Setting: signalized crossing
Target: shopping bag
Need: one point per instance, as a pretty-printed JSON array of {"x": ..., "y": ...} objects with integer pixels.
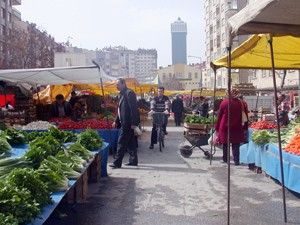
[{"x": 213, "y": 140}]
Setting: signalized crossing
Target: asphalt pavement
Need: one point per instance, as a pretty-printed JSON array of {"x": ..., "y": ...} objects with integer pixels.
[{"x": 166, "y": 188}]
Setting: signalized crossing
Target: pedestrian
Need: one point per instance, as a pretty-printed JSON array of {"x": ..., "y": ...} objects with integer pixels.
[
  {"x": 236, "y": 126},
  {"x": 60, "y": 108},
  {"x": 127, "y": 120},
  {"x": 160, "y": 103},
  {"x": 177, "y": 109},
  {"x": 203, "y": 107}
]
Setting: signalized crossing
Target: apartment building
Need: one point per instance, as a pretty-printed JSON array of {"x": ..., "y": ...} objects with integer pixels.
[
  {"x": 217, "y": 12},
  {"x": 8, "y": 15},
  {"x": 180, "y": 76},
  {"x": 74, "y": 56},
  {"x": 122, "y": 62}
]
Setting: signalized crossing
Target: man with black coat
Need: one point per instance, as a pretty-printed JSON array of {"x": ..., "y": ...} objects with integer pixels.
[
  {"x": 127, "y": 120},
  {"x": 60, "y": 108},
  {"x": 177, "y": 109}
]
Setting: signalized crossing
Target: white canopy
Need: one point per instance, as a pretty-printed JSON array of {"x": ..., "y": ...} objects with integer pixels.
[
  {"x": 267, "y": 16},
  {"x": 58, "y": 75}
]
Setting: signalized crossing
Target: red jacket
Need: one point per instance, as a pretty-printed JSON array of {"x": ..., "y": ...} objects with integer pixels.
[{"x": 236, "y": 128}]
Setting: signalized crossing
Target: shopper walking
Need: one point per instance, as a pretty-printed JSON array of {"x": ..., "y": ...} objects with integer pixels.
[
  {"x": 177, "y": 109},
  {"x": 127, "y": 120},
  {"x": 236, "y": 126}
]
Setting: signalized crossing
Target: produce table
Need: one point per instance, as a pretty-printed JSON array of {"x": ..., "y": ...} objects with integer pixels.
[
  {"x": 251, "y": 152},
  {"x": 57, "y": 196},
  {"x": 267, "y": 157}
]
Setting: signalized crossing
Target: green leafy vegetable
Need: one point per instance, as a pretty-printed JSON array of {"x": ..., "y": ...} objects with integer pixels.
[
  {"x": 30, "y": 180},
  {"x": 90, "y": 139},
  {"x": 4, "y": 146},
  {"x": 8, "y": 219},
  {"x": 15, "y": 137},
  {"x": 17, "y": 202},
  {"x": 261, "y": 137},
  {"x": 198, "y": 119}
]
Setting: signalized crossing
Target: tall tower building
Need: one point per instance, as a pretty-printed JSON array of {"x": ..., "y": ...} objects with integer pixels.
[
  {"x": 179, "y": 32},
  {"x": 217, "y": 12}
]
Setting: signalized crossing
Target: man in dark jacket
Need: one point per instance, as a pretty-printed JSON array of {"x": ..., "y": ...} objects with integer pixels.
[
  {"x": 127, "y": 120},
  {"x": 60, "y": 108},
  {"x": 177, "y": 109}
]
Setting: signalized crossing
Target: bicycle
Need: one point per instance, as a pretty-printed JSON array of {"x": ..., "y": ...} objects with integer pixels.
[{"x": 159, "y": 119}]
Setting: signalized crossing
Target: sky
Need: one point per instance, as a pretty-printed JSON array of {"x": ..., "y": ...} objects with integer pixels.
[{"x": 134, "y": 24}]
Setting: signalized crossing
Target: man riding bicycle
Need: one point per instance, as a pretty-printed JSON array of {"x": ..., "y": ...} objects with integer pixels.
[{"x": 160, "y": 104}]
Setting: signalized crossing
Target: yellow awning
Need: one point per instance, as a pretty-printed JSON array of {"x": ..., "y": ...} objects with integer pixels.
[{"x": 255, "y": 53}]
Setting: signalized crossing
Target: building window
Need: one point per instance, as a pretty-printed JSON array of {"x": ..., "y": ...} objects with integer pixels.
[
  {"x": 196, "y": 75},
  {"x": 210, "y": 29},
  {"x": 218, "y": 24},
  {"x": 263, "y": 73},
  {"x": 170, "y": 75},
  {"x": 2, "y": 31},
  {"x": 3, "y": 13},
  {"x": 164, "y": 76},
  {"x": 218, "y": 10},
  {"x": 190, "y": 75},
  {"x": 222, "y": 7},
  {"x": 9, "y": 17},
  {"x": 218, "y": 41},
  {"x": 223, "y": 21},
  {"x": 211, "y": 45},
  {"x": 232, "y": 4}
]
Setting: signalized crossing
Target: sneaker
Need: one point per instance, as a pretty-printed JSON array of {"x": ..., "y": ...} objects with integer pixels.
[{"x": 151, "y": 147}]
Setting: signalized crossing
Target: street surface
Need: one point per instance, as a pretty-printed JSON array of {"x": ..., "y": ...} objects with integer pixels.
[{"x": 168, "y": 189}]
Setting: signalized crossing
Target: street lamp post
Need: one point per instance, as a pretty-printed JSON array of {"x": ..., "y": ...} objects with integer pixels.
[{"x": 198, "y": 57}]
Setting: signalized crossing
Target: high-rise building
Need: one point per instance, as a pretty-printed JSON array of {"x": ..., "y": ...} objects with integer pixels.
[
  {"x": 122, "y": 62},
  {"x": 217, "y": 12},
  {"x": 179, "y": 32},
  {"x": 8, "y": 15}
]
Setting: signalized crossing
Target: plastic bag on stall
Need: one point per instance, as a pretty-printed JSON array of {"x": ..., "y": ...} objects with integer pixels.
[{"x": 213, "y": 140}]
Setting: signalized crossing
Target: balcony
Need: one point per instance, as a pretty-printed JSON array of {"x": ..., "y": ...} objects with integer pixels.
[
  {"x": 16, "y": 14},
  {"x": 16, "y": 2}
]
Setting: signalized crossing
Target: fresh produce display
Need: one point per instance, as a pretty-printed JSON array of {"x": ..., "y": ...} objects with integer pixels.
[
  {"x": 89, "y": 123},
  {"x": 38, "y": 125},
  {"x": 261, "y": 137},
  {"x": 18, "y": 202},
  {"x": 198, "y": 119},
  {"x": 79, "y": 150},
  {"x": 40, "y": 149},
  {"x": 27, "y": 182},
  {"x": 30, "y": 180},
  {"x": 90, "y": 139},
  {"x": 261, "y": 125},
  {"x": 293, "y": 146},
  {"x": 8, "y": 219},
  {"x": 14, "y": 137},
  {"x": 4, "y": 146}
]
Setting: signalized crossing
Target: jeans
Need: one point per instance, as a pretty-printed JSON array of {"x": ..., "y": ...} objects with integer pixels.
[{"x": 154, "y": 133}]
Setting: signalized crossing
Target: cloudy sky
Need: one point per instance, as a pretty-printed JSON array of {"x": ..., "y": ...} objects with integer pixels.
[{"x": 135, "y": 24}]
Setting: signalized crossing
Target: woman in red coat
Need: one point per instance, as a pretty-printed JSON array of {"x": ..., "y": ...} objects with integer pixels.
[{"x": 236, "y": 127}]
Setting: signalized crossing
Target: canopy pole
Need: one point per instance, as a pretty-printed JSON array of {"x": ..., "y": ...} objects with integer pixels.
[
  {"x": 104, "y": 102},
  {"x": 278, "y": 128},
  {"x": 228, "y": 134},
  {"x": 212, "y": 146}
]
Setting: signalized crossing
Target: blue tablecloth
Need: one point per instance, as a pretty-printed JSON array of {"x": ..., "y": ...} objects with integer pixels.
[
  {"x": 58, "y": 196},
  {"x": 267, "y": 157}
]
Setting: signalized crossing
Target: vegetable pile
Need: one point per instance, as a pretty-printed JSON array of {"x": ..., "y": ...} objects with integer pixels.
[
  {"x": 293, "y": 146},
  {"x": 68, "y": 124},
  {"x": 198, "y": 119},
  {"x": 14, "y": 137},
  {"x": 90, "y": 139},
  {"x": 261, "y": 137},
  {"x": 38, "y": 125},
  {"x": 26, "y": 183},
  {"x": 261, "y": 125}
]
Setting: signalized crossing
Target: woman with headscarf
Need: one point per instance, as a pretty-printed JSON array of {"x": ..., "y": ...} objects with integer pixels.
[{"x": 236, "y": 126}]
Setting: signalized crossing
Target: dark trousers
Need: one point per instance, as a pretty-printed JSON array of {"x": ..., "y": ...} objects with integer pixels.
[
  {"x": 154, "y": 133},
  {"x": 177, "y": 118},
  {"x": 235, "y": 152},
  {"x": 126, "y": 141}
]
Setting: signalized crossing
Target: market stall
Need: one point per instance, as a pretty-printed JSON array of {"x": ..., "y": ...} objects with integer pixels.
[
  {"x": 43, "y": 168},
  {"x": 262, "y": 17}
]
